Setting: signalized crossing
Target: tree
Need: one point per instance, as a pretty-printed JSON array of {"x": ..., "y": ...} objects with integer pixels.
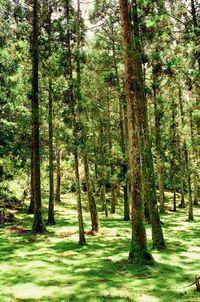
[
  {"x": 138, "y": 251},
  {"x": 38, "y": 224}
]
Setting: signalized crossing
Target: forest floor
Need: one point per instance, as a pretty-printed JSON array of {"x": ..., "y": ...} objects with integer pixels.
[{"x": 52, "y": 267}]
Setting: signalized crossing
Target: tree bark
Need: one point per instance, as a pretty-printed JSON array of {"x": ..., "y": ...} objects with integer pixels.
[
  {"x": 145, "y": 142},
  {"x": 160, "y": 168},
  {"x": 187, "y": 165},
  {"x": 31, "y": 205},
  {"x": 174, "y": 154},
  {"x": 51, "y": 219},
  {"x": 138, "y": 252},
  {"x": 82, "y": 240},
  {"x": 91, "y": 200},
  {"x": 38, "y": 225},
  {"x": 58, "y": 174},
  {"x": 195, "y": 155},
  {"x": 123, "y": 128}
]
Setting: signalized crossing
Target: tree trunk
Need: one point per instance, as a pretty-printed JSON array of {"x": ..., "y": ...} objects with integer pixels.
[
  {"x": 187, "y": 166},
  {"x": 123, "y": 128},
  {"x": 174, "y": 154},
  {"x": 58, "y": 174},
  {"x": 158, "y": 115},
  {"x": 190, "y": 211},
  {"x": 103, "y": 188},
  {"x": 138, "y": 252},
  {"x": 181, "y": 175},
  {"x": 38, "y": 225},
  {"x": 91, "y": 200},
  {"x": 31, "y": 205},
  {"x": 145, "y": 142},
  {"x": 195, "y": 155},
  {"x": 82, "y": 240},
  {"x": 51, "y": 219}
]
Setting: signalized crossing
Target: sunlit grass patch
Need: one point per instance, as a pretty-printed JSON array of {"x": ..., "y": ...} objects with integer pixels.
[{"x": 52, "y": 267}]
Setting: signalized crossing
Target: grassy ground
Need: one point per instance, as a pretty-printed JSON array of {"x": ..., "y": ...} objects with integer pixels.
[{"x": 53, "y": 268}]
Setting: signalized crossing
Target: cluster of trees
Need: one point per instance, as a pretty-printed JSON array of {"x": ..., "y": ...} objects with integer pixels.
[{"x": 123, "y": 106}]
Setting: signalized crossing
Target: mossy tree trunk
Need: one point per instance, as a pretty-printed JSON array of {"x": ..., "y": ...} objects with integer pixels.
[
  {"x": 138, "y": 252},
  {"x": 145, "y": 141}
]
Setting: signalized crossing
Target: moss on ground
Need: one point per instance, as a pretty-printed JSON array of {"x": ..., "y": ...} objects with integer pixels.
[{"x": 53, "y": 268}]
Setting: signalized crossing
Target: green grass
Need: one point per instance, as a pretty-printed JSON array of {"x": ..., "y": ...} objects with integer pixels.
[{"x": 53, "y": 268}]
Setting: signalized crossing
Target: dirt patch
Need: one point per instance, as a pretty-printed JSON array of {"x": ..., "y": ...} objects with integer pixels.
[{"x": 18, "y": 229}]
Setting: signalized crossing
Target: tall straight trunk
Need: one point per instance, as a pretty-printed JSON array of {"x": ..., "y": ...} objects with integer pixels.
[
  {"x": 124, "y": 168},
  {"x": 145, "y": 142},
  {"x": 38, "y": 225},
  {"x": 190, "y": 211},
  {"x": 51, "y": 219},
  {"x": 102, "y": 175},
  {"x": 82, "y": 240},
  {"x": 181, "y": 174},
  {"x": 138, "y": 251},
  {"x": 195, "y": 190},
  {"x": 160, "y": 167},
  {"x": 195, "y": 155},
  {"x": 187, "y": 164},
  {"x": 91, "y": 200},
  {"x": 103, "y": 199},
  {"x": 31, "y": 205},
  {"x": 123, "y": 128},
  {"x": 112, "y": 170},
  {"x": 174, "y": 154},
  {"x": 58, "y": 174}
]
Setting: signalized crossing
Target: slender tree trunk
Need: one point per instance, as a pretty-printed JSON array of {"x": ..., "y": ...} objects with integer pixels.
[
  {"x": 181, "y": 175},
  {"x": 187, "y": 165},
  {"x": 82, "y": 240},
  {"x": 58, "y": 174},
  {"x": 38, "y": 225},
  {"x": 138, "y": 252},
  {"x": 190, "y": 211},
  {"x": 91, "y": 200},
  {"x": 112, "y": 171},
  {"x": 103, "y": 188},
  {"x": 123, "y": 143},
  {"x": 195, "y": 191},
  {"x": 195, "y": 155},
  {"x": 31, "y": 205},
  {"x": 160, "y": 169},
  {"x": 145, "y": 142},
  {"x": 51, "y": 219},
  {"x": 174, "y": 154}
]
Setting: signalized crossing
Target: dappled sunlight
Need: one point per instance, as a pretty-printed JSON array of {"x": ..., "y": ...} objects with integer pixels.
[{"x": 52, "y": 267}]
